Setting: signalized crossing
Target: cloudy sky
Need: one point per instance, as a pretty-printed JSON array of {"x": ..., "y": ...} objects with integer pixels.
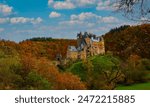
[{"x": 24, "y": 19}]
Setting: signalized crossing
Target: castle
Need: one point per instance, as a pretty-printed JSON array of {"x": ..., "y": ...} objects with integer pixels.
[{"x": 87, "y": 45}]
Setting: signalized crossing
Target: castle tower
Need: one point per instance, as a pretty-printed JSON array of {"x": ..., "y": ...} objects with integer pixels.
[
  {"x": 87, "y": 45},
  {"x": 102, "y": 45},
  {"x": 79, "y": 39}
]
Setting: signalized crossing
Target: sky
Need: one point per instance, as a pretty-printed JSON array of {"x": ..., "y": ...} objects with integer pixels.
[{"x": 25, "y": 19}]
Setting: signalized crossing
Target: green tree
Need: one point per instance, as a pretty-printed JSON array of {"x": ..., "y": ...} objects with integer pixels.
[
  {"x": 136, "y": 69},
  {"x": 107, "y": 72},
  {"x": 9, "y": 65},
  {"x": 35, "y": 81},
  {"x": 89, "y": 70}
]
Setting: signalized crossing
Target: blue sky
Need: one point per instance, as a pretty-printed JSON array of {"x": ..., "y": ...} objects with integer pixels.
[{"x": 24, "y": 19}]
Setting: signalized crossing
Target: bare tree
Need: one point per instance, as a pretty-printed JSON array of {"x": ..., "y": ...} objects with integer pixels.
[{"x": 138, "y": 10}]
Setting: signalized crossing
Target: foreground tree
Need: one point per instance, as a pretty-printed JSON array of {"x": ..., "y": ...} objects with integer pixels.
[
  {"x": 89, "y": 68},
  {"x": 138, "y": 10},
  {"x": 102, "y": 72},
  {"x": 136, "y": 70}
]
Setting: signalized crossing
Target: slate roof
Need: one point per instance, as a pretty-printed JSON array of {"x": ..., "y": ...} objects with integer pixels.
[
  {"x": 72, "y": 48},
  {"x": 95, "y": 39}
]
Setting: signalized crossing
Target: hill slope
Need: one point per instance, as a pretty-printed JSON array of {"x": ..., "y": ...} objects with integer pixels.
[
  {"x": 129, "y": 40},
  {"x": 46, "y": 48}
]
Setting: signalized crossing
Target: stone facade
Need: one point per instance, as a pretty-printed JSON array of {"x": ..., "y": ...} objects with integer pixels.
[{"x": 87, "y": 45}]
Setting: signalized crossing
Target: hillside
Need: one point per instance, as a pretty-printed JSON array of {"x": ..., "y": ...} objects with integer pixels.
[
  {"x": 125, "y": 40},
  {"x": 29, "y": 64},
  {"x": 110, "y": 72},
  {"x": 98, "y": 63},
  {"x": 46, "y": 47},
  {"x": 40, "y": 47},
  {"x": 24, "y": 66}
]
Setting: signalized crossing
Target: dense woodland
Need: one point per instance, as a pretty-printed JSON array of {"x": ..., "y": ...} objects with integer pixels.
[
  {"x": 125, "y": 40},
  {"x": 29, "y": 64}
]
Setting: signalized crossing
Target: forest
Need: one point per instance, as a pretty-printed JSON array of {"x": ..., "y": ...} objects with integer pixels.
[{"x": 29, "y": 64}]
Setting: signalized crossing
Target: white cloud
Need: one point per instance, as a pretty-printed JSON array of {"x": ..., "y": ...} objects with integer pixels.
[
  {"x": 106, "y": 5},
  {"x": 37, "y": 20},
  {"x": 109, "y": 19},
  {"x": 1, "y": 29},
  {"x": 4, "y": 20},
  {"x": 19, "y": 20},
  {"x": 71, "y": 22},
  {"x": 54, "y": 15},
  {"x": 70, "y": 4},
  {"x": 85, "y": 2},
  {"x": 16, "y": 20},
  {"x": 5, "y": 9},
  {"x": 64, "y": 5},
  {"x": 76, "y": 24},
  {"x": 84, "y": 16},
  {"x": 50, "y": 2},
  {"x": 89, "y": 19}
]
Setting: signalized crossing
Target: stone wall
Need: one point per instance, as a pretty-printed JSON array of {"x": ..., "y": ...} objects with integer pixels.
[{"x": 72, "y": 55}]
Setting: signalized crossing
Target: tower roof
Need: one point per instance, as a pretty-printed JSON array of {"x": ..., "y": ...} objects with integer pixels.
[{"x": 72, "y": 48}]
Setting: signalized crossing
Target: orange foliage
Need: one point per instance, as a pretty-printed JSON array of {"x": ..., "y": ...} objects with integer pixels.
[
  {"x": 28, "y": 62},
  {"x": 134, "y": 60},
  {"x": 132, "y": 40},
  {"x": 47, "y": 70},
  {"x": 69, "y": 81},
  {"x": 47, "y": 49},
  {"x": 59, "y": 80}
]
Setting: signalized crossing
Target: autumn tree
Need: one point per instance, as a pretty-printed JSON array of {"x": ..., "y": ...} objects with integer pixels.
[
  {"x": 45, "y": 48},
  {"x": 28, "y": 61},
  {"x": 58, "y": 80},
  {"x": 135, "y": 69},
  {"x": 134, "y": 39},
  {"x": 69, "y": 81},
  {"x": 9, "y": 65}
]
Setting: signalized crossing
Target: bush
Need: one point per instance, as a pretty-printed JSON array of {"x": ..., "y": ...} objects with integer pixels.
[
  {"x": 136, "y": 70},
  {"x": 35, "y": 81},
  {"x": 9, "y": 65}
]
